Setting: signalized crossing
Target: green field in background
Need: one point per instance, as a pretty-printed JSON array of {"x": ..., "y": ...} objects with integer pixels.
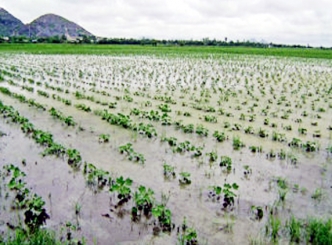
[{"x": 161, "y": 50}]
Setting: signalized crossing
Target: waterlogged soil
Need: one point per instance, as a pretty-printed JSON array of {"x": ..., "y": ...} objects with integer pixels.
[{"x": 262, "y": 87}]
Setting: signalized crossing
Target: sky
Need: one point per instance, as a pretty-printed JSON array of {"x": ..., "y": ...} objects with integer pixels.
[{"x": 304, "y": 22}]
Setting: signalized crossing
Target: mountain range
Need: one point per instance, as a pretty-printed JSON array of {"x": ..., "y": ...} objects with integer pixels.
[{"x": 47, "y": 25}]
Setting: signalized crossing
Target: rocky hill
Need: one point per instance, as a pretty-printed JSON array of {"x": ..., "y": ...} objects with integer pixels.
[
  {"x": 9, "y": 25},
  {"x": 53, "y": 25},
  {"x": 48, "y": 25}
]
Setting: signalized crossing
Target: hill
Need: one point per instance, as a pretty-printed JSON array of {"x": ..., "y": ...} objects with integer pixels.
[
  {"x": 53, "y": 25},
  {"x": 47, "y": 25},
  {"x": 9, "y": 25}
]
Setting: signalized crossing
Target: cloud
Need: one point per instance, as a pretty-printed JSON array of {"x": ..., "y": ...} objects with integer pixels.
[{"x": 283, "y": 21}]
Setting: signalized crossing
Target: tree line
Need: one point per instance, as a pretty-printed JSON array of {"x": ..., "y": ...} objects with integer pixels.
[{"x": 148, "y": 41}]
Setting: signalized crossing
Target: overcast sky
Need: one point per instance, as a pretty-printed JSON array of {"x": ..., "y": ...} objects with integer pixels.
[{"x": 278, "y": 21}]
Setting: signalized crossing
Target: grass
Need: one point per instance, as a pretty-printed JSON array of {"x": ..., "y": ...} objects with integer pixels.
[
  {"x": 313, "y": 231},
  {"x": 294, "y": 229},
  {"x": 257, "y": 240},
  {"x": 319, "y": 232},
  {"x": 282, "y": 194},
  {"x": 41, "y": 237},
  {"x": 318, "y": 194},
  {"x": 282, "y": 183},
  {"x": 199, "y": 51},
  {"x": 274, "y": 226}
]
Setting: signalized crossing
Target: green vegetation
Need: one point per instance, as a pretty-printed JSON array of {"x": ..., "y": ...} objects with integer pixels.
[
  {"x": 309, "y": 231},
  {"x": 185, "y": 178},
  {"x": 103, "y": 138},
  {"x": 132, "y": 155},
  {"x": 188, "y": 235},
  {"x": 30, "y": 205},
  {"x": 95, "y": 176},
  {"x": 180, "y": 109},
  {"x": 144, "y": 200},
  {"x": 161, "y": 50},
  {"x": 41, "y": 237},
  {"x": 226, "y": 162},
  {"x": 319, "y": 232},
  {"x": 273, "y": 228},
  {"x": 294, "y": 228},
  {"x": 228, "y": 192},
  {"x": 164, "y": 217},
  {"x": 237, "y": 143},
  {"x": 122, "y": 187},
  {"x": 168, "y": 171}
]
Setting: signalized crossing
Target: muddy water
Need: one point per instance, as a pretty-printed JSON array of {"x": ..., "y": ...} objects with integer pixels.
[{"x": 63, "y": 189}]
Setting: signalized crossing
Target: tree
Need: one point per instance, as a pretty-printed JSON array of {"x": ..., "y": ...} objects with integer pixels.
[{"x": 63, "y": 38}]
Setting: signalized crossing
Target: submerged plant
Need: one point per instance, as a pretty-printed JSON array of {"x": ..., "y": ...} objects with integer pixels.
[
  {"x": 319, "y": 232},
  {"x": 318, "y": 194},
  {"x": 183, "y": 147},
  {"x": 212, "y": 156},
  {"x": 198, "y": 151},
  {"x": 255, "y": 149},
  {"x": 219, "y": 136},
  {"x": 273, "y": 228},
  {"x": 229, "y": 195},
  {"x": 215, "y": 193},
  {"x": 295, "y": 143},
  {"x": 69, "y": 121},
  {"x": 294, "y": 228},
  {"x": 96, "y": 176},
  {"x": 127, "y": 148},
  {"x": 247, "y": 171},
  {"x": 168, "y": 171},
  {"x": 282, "y": 188},
  {"x": 278, "y": 137},
  {"x": 258, "y": 212},
  {"x": 237, "y": 143},
  {"x": 144, "y": 200},
  {"x": 29, "y": 203},
  {"x": 165, "y": 108},
  {"x": 201, "y": 130},
  {"x": 226, "y": 162},
  {"x": 136, "y": 157},
  {"x": 249, "y": 130},
  {"x": 310, "y": 146},
  {"x": 263, "y": 133},
  {"x": 74, "y": 157},
  {"x": 188, "y": 235},
  {"x": 42, "y": 138},
  {"x": 185, "y": 178},
  {"x": 188, "y": 129},
  {"x": 164, "y": 217},
  {"x": 210, "y": 118},
  {"x": 54, "y": 149},
  {"x": 103, "y": 138},
  {"x": 122, "y": 187},
  {"x": 172, "y": 141}
]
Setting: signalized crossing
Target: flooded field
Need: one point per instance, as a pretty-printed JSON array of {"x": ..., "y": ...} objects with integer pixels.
[{"x": 169, "y": 150}]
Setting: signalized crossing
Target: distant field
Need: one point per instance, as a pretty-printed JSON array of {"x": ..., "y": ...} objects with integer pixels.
[{"x": 160, "y": 50}]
